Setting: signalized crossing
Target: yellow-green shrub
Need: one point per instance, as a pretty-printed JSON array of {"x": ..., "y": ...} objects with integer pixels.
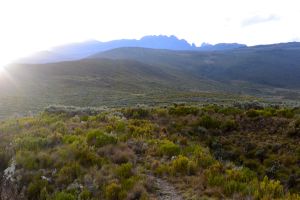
[
  {"x": 269, "y": 189},
  {"x": 100, "y": 139},
  {"x": 168, "y": 148},
  {"x": 182, "y": 165},
  {"x": 124, "y": 170},
  {"x": 112, "y": 191}
]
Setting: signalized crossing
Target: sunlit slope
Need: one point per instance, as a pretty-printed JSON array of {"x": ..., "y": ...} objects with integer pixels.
[{"x": 95, "y": 82}]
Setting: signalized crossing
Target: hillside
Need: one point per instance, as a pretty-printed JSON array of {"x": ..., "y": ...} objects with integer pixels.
[
  {"x": 271, "y": 65},
  {"x": 173, "y": 152},
  {"x": 129, "y": 76},
  {"x": 96, "y": 82}
]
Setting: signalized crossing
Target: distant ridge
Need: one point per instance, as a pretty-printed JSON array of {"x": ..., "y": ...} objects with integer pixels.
[{"x": 77, "y": 51}]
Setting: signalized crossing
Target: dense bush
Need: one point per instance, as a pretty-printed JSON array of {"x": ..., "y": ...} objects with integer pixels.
[
  {"x": 68, "y": 173},
  {"x": 182, "y": 165},
  {"x": 209, "y": 122},
  {"x": 99, "y": 139},
  {"x": 108, "y": 156},
  {"x": 113, "y": 191},
  {"x": 229, "y": 125},
  {"x": 137, "y": 113},
  {"x": 269, "y": 189},
  {"x": 124, "y": 170},
  {"x": 183, "y": 110},
  {"x": 168, "y": 148},
  {"x": 64, "y": 196}
]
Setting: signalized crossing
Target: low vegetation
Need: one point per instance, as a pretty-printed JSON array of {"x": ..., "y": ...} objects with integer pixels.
[{"x": 217, "y": 152}]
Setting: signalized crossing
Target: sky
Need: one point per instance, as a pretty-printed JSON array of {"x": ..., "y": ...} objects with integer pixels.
[{"x": 33, "y": 25}]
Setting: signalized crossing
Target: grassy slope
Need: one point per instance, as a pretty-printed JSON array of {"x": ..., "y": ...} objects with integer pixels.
[
  {"x": 151, "y": 76},
  {"x": 275, "y": 67},
  {"x": 94, "y": 82}
]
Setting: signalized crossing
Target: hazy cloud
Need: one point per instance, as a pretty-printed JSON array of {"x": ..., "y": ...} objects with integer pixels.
[{"x": 257, "y": 19}]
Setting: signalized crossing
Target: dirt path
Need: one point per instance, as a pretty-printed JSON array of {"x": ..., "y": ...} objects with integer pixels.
[{"x": 165, "y": 191}]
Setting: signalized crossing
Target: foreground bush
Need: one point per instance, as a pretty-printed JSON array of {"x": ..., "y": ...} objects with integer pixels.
[
  {"x": 100, "y": 139},
  {"x": 168, "y": 148}
]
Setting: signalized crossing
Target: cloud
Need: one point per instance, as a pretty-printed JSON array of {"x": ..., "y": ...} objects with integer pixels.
[{"x": 258, "y": 19}]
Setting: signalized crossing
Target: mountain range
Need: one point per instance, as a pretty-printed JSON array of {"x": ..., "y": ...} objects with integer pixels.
[{"x": 81, "y": 50}]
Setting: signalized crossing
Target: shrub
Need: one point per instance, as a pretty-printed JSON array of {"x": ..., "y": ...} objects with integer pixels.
[
  {"x": 68, "y": 173},
  {"x": 252, "y": 113},
  {"x": 124, "y": 170},
  {"x": 162, "y": 170},
  {"x": 100, "y": 139},
  {"x": 69, "y": 139},
  {"x": 209, "y": 122},
  {"x": 139, "y": 128},
  {"x": 182, "y": 165},
  {"x": 269, "y": 189},
  {"x": 138, "y": 192},
  {"x": 112, "y": 191},
  {"x": 215, "y": 179},
  {"x": 27, "y": 159},
  {"x": 85, "y": 195},
  {"x": 4, "y": 160},
  {"x": 168, "y": 148},
  {"x": 232, "y": 187},
  {"x": 294, "y": 129},
  {"x": 229, "y": 125},
  {"x": 31, "y": 143},
  {"x": 183, "y": 110},
  {"x": 86, "y": 157},
  {"x": 136, "y": 113},
  {"x": 241, "y": 175},
  {"x": 202, "y": 158},
  {"x": 230, "y": 111},
  {"x": 35, "y": 188},
  {"x": 287, "y": 113},
  {"x": 64, "y": 196}
]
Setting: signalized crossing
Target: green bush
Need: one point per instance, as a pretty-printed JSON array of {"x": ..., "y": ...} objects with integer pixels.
[
  {"x": 269, "y": 189},
  {"x": 252, "y": 113},
  {"x": 124, "y": 170},
  {"x": 85, "y": 194},
  {"x": 183, "y": 110},
  {"x": 216, "y": 180},
  {"x": 230, "y": 111},
  {"x": 241, "y": 175},
  {"x": 27, "y": 160},
  {"x": 100, "y": 139},
  {"x": 168, "y": 148},
  {"x": 69, "y": 139},
  {"x": 4, "y": 160},
  {"x": 34, "y": 190},
  {"x": 203, "y": 158},
  {"x": 287, "y": 113},
  {"x": 209, "y": 122},
  {"x": 64, "y": 196},
  {"x": 229, "y": 125},
  {"x": 182, "y": 165},
  {"x": 232, "y": 187},
  {"x": 162, "y": 170},
  {"x": 113, "y": 191},
  {"x": 31, "y": 143},
  {"x": 68, "y": 173},
  {"x": 138, "y": 128},
  {"x": 137, "y": 113},
  {"x": 87, "y": 157}
]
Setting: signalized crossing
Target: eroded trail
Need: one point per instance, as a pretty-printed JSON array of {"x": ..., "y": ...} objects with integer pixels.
[{"x": 165, "y": 190}]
